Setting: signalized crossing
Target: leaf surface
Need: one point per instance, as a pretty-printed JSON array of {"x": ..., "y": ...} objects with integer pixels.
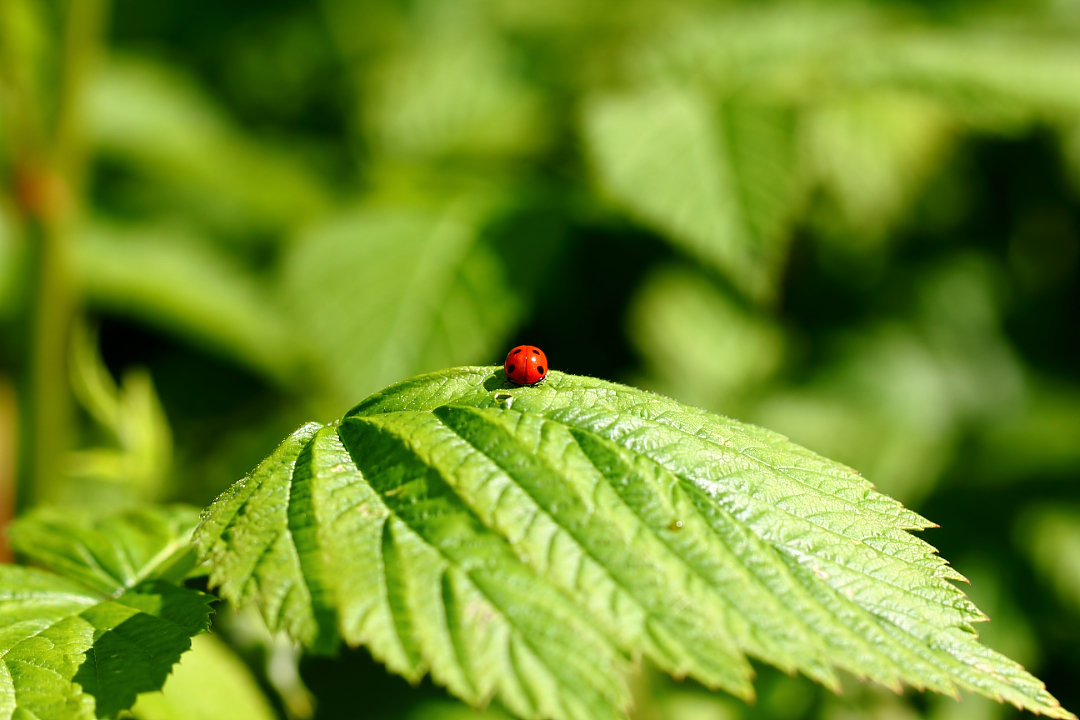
[
  {"x": 83, "y": 643},
  {"x": 382, "y": 288},
  {"x": 209, "y": 683},
  {"x": 716, "y": 176},
  {"x": 165, "y": 128},
  {"x": 175, "y": 281},
  {"x": 524, "y": 543}
]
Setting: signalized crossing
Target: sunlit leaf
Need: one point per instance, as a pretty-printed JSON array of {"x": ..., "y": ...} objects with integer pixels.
[
  {"x": 209, "y": 683},
  {"x": 86, "y": 641},
  {"x": 109, "y": 553},
  {"x": 524, "y": 543}
]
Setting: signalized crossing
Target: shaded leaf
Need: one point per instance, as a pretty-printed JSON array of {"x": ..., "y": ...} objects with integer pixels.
[
  {"x": 137, "y": 639},
  {"x": 523, "y": 543}
]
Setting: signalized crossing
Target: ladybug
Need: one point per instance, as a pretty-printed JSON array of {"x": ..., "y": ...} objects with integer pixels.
[{"x": 526, "y": 365}]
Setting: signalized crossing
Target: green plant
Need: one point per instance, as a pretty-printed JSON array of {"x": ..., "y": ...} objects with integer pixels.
[
  {"x": 854, "y": 222},
  {"x": 523, "y": 545}
]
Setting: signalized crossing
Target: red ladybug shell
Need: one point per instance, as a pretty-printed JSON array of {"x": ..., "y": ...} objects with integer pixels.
[{"x": 526, "y": 365}]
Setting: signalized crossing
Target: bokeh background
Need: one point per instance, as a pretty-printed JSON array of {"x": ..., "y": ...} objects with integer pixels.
[{"x": 854, "y": 222}]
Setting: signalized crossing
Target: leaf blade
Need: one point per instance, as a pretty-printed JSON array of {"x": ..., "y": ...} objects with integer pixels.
[
  {"x": 83, "y": 644},
  {"x": 717, "y": 175},
  {"x": 112, "y": 553},
  {"x": 631, "y": 525}
]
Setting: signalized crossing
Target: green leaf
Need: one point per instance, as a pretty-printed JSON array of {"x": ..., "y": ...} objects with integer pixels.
[
  {"x": 383, "y": 292},
  {"x": 440, "y": 96},
  {"x": 872, "y": 152},
  {"x": 717, "y": 176},
  {"x": 110, "y": 553},
  {"x": 167, "y": 277},
  {"x": 163, "y": 126},
  {"x": 524, "y": 543},
  {"x": 136, "y": 461},
  {"x": 209, "y": 683},
  {"x": 85, "y": 642}
]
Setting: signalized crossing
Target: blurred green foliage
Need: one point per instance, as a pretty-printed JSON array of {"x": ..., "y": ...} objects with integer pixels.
[{"x": 854, "y": 222}]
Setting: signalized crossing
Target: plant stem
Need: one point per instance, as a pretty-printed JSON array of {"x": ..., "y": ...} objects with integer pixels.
[
  {"x": 50, "y": 189},
  {"x": 7, "y": 462}
]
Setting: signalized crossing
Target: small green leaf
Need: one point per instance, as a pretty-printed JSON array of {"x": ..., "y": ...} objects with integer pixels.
[
  {"x": 526, "y": 543},
  {"x": 111, "y": 553},
  {"x": 384, "y": 289},
  {"x": 85, "y": 642},
  {"x": 164, "y": 127},
  {"x": 718, "y": 176},
  {"x": 137, "y": 457},
  {"x": 176, "y": 281}
]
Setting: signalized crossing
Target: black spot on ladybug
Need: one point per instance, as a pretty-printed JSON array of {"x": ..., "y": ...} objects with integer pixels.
[
  {"x": 510, "y": 368},
  {"x": 540, "y": 369},
  {"x": 516, "y": 351}
]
